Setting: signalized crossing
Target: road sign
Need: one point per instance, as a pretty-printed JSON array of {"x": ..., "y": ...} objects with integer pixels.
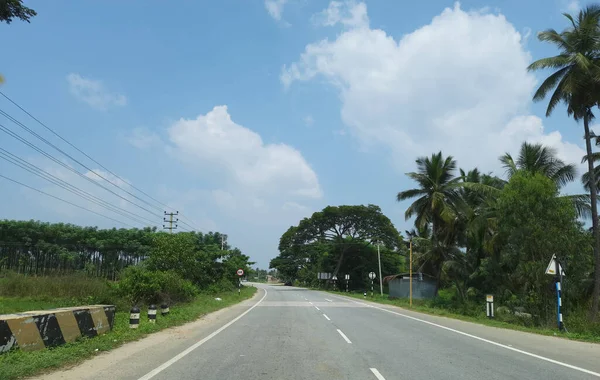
[
  {"x": 334, "y": 278},
  {"x": 551, "y": 269},
  {"x": 240, "y": 272},
  {"x": 489, "y": 298},
  {"x": 346, "y": 277},
  {"x": 372, "y": 275}
]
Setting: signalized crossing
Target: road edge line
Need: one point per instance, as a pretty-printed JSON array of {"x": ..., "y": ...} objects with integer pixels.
[
  {"x": 479, "y": 338},
  {"x": 185, "y": 352}
]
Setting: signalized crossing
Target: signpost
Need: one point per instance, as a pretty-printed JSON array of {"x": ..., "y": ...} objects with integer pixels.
[
  {"x": 372, "y": 276},
  {"x": 347, "y": 278},
  {"x": 554, "y": 268},
  {"x": 489, "y": 306},
  {"x": 334, "y": 278},
  {"x": 240, "y": 273}
]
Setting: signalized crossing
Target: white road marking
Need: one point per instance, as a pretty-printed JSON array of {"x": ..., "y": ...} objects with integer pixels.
[
  {"x": 483, "y": 340},
  {"x": 343, "y": 335},
  {"x": 328, "y": 300},
  {"x": 317, "y": 308},
  {"x": 310, "y": 302},
  {"x": 326, "y": 317},
  {"x": 377, "y": 374},
  {"x": 179, "y": 356}
]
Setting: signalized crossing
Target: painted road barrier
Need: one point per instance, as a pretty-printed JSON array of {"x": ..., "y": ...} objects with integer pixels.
[{"x": 36, "y": 330}]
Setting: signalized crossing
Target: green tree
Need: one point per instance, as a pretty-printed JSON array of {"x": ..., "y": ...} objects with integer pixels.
[
  {"x": 10, "y": 9},
  {"x": 576, "y": 84}
]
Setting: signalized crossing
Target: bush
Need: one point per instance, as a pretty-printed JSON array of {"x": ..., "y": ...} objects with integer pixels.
[
  {"x": 141, "y": 285},
  {"x": 220, "y": 286}
]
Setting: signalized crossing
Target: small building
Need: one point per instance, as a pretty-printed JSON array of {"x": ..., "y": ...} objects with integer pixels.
[{"x": 399, "y": 285}]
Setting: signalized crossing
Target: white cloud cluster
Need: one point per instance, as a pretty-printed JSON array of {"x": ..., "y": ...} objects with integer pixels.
[
  {"x": 275, "y": 8},
  {"x": 142, "y": 138},
  {"x": 458, "y": 84},
  {"x": 215, "y": 141},
  {"x": 94, "y": 93}
]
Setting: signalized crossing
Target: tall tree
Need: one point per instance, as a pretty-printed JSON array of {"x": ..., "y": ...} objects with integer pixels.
[
  {"x": 10, "y": 9},
  {"x": 537, "y": 158},
  {"x": 576, "y": 83}
]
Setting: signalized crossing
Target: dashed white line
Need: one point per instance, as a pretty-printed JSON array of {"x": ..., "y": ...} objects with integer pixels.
[
  {"x": 185, "y": 352},
  {"x": 317, "y": 308},
  {"x": 344, "y": 336},
  {"x": 377, "y": 374},
  {"x": 482, "y": 339},
  {"x": 310, "y": 302},
  {"x": 328, "y": 300},
  {"x": 326, "y": 317}
]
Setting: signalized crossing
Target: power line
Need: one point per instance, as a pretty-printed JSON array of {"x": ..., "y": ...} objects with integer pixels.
[
  {"x": 77, "y": 149},
  {"x": 65, "y": 201},
  {"x": 23, "y": 126},
  {"x": 91, "y": 159},
  {"x": 16, "y": 160},
  {"x": 54, "y": 159}
]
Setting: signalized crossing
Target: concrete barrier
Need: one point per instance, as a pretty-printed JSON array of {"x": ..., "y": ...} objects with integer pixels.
[{"x": 36, "y": 330}]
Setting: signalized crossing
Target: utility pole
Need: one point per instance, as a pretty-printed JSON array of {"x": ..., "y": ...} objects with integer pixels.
[
  {"x": 380, "y": 278},
  {"x": 410, "y": 273},
  {"x": 170, "y": 221}
]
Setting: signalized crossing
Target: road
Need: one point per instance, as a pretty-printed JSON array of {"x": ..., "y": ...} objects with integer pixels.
[{"x": 288, "y": 333}]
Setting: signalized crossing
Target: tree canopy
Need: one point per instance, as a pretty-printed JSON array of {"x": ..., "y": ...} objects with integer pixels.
[{"x": 11, "y": 9}]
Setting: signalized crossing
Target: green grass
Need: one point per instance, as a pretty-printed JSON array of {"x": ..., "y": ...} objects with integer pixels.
[
  {"x": 588, "y": 333},
  {"x": 17, "y": 364}
]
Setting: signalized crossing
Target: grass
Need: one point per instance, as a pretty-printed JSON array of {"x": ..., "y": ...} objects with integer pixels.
[
  {"x": 17, "y": 364},
  {"x": 586, "y": 335}
]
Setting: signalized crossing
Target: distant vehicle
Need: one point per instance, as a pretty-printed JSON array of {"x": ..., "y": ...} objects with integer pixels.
[{"x": 288, "y": 283}]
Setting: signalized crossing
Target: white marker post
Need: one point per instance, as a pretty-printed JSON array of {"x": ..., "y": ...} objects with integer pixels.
[
  {"x": 240, "y": 273},
  {"x": 489, "y": 306},
  {"x": 334, "y": 278},
  {"x": 372, "y": 276},
  {"x": 347, "y": 277},
  {"x": 554, "y": 268}
]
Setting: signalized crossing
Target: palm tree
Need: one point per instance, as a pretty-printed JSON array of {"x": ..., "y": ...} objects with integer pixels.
[
  {"x": 576, "y": 83},
  {"x": 537, "y": 158}
]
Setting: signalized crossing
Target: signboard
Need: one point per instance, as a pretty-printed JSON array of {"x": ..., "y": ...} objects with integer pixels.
[
  {"x": 489, "y": 298},
  {"x": 323, "y": 276},
  {"x": 240, "y": 272},
  {"x": 346, "y": 277},
  {"x": 372, "y": 275},
  {"x": 334, "y": 278},
  {"x": 551, "y": 269}
]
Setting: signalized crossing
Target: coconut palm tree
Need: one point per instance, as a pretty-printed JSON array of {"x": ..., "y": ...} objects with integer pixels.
[
  {"x": 576, "y": 83},
  {"x": 537, "y": 158}
]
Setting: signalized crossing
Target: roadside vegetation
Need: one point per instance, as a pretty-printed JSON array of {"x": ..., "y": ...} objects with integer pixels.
[{"x": 477, "y": 233}]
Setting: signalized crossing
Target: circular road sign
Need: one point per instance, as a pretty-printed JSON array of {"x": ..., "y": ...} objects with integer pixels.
[
  {"x": 372, "y": 275},
  {"x": 240, "y": 272}
]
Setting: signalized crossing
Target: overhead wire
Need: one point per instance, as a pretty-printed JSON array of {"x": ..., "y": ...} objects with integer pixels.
[
  {"x": 54, "y": 159},
  {"x": 18, "y": 161},
  {"x": 192, "y": 225},
  {"x": 64, "y": 200}
]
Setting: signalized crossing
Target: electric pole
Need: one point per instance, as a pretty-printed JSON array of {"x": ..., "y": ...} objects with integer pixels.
[{"x": 170, "y": 220}]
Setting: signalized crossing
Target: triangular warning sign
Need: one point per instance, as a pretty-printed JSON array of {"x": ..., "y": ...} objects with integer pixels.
[{"x": 551, "y": 269}]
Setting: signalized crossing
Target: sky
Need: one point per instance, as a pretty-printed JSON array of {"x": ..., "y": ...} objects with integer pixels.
[{"x": 248, "y": 115}]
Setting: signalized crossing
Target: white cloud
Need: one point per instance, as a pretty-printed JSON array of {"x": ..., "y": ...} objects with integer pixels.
[
  {"x": 275, "y": 8},
  {"x": 573, "y": 6},
  {"x": 458, "y": 84},
  {"x": 349, "y": 14},
  {"x": 142, "y": 138},
  {"x": 94, "y": 93},
  {"x": 309, "y": 121},
  {"x": 239, "y": 154}
]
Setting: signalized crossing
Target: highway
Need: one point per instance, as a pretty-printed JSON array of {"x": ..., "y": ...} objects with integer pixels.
[{"x": 287, "y": 333}]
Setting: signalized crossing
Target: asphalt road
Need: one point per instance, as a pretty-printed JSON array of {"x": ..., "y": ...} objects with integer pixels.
[{"x": 288, "y": 333}]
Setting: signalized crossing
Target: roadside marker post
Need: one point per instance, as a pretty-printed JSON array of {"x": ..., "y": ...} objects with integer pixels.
[
  {"x": 556, "y": 269},
  {"x": 347, "y": 277},
  {"x": 152, "y": 313},
  {"x": 489, "y": 306},
  {"x": 334, "y": 278},
  {"x": 372, "y": 276},
  {"x": 240, "y": 273},
  {"x": 164, "y": 309},
  {"x": 134, "y": 317}
]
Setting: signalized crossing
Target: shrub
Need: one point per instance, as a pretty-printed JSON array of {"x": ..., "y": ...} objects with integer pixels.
[{"x": 141, "y": 285}]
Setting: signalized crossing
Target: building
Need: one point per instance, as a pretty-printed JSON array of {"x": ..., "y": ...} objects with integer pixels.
[{"x": 399, "y": 285}]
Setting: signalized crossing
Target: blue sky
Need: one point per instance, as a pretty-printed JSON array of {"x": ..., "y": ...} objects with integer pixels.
[{"x": 248, "y": 115}]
